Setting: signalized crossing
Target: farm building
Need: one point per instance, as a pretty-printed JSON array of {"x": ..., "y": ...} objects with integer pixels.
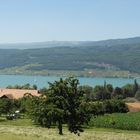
[{"x": 16, "y": 93}]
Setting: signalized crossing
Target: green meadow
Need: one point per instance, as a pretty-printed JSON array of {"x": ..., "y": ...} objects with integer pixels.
[
  {"x": 24, "y": 129},
  {"x": 123, "y": 121}
]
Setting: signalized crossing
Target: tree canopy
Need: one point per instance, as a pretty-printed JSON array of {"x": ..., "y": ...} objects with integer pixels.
[{"x": 61, "y": 104}]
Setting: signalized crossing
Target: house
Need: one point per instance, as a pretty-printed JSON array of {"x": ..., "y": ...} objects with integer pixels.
[{"x": 16, "y": 93}]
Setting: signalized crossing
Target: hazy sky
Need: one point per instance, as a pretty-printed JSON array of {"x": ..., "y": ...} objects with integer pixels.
[{"x": 44, "y": 20}]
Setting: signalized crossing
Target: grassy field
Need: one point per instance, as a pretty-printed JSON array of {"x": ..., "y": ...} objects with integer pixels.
[
  {"x": 125, "y": 121},
  {"x": 25, "y": 130},
  {"x": 37, "y": 133}
]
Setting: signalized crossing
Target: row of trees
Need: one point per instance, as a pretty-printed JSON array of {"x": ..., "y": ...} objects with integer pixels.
[
  {"x": 25, "y": 86},
  {"x": 107, "y": 91}
]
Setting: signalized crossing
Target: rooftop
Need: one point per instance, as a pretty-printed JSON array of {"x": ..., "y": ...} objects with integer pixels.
[{"x": 17, "y": 93}]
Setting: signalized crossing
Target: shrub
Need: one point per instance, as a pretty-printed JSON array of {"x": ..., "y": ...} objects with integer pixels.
[{"x": 114, "y": 105}]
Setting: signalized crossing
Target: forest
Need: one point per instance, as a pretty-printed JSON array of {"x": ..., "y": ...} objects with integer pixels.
[{"x": 119, "y": 55}]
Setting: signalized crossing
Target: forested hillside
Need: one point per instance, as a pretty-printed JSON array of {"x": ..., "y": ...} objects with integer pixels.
[{"x": 123, "y": 56}]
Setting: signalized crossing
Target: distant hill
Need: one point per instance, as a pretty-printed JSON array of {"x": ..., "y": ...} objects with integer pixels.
[
  {"x": 48, "y": 44},
  {"x": 121, "y": 54}
]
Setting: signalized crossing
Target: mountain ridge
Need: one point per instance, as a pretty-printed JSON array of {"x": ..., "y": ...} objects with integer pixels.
[
  {"x": 113, "y": 54},
  {"x": 48, "y": 44}
]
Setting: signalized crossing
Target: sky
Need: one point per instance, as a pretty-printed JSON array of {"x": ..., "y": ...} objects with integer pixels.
[{"x": 68, "y": 20}]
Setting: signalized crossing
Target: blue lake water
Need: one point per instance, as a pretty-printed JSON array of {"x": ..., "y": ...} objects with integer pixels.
[{"x": 42, "y": 81}]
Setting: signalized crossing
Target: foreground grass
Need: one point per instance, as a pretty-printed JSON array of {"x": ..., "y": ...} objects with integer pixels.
[
  {"x": 18, "y": 122},
  {"x": 23, "y": 129},
  {"x": 37, "y": 133}
]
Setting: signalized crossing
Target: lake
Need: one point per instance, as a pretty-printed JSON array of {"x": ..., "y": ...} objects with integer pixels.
[{"x": 42, "y": 81}]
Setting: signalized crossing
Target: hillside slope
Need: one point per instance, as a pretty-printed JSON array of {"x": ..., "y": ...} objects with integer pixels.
[{"x": 119, "y": 56}]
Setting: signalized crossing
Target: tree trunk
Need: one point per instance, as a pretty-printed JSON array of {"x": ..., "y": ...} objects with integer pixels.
[{"x": 60, "y": 128}]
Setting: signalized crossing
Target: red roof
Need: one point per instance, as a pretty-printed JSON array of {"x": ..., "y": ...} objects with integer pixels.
[{"x": 17, "y": 93}]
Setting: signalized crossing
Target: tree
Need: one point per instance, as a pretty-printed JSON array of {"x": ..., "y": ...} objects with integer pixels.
[
  {"x": 118, "y": 93},
  {"x": 109, "y": 88},
  {"x": 26, "y": 103},
  {"x": 128, "y": 91},
  {"x": 137, "y": 95},
  {"x": 135, "y": 87},
  {"x": 6, "y": 106},
  {"x": 102, "y": 92},
  {"x": 88, "y": 92},
  {"x": 61, "y": 104},
  {"x": 26, "y": 86},
  {"x": 98, "y": 92},
  {"x": 35, "y": 87}
]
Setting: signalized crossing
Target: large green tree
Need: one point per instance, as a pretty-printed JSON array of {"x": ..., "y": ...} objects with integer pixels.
[{"x": 61, "y": 104}]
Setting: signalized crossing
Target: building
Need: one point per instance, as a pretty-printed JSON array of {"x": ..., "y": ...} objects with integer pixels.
[{"x": 16, "y": 93}]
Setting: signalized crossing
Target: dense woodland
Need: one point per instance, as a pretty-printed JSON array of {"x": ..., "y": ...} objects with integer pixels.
[{"x": 113, "y": 54}]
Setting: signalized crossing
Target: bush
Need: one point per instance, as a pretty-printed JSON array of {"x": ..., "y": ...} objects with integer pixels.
[{"x": 114, "y": 105}]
